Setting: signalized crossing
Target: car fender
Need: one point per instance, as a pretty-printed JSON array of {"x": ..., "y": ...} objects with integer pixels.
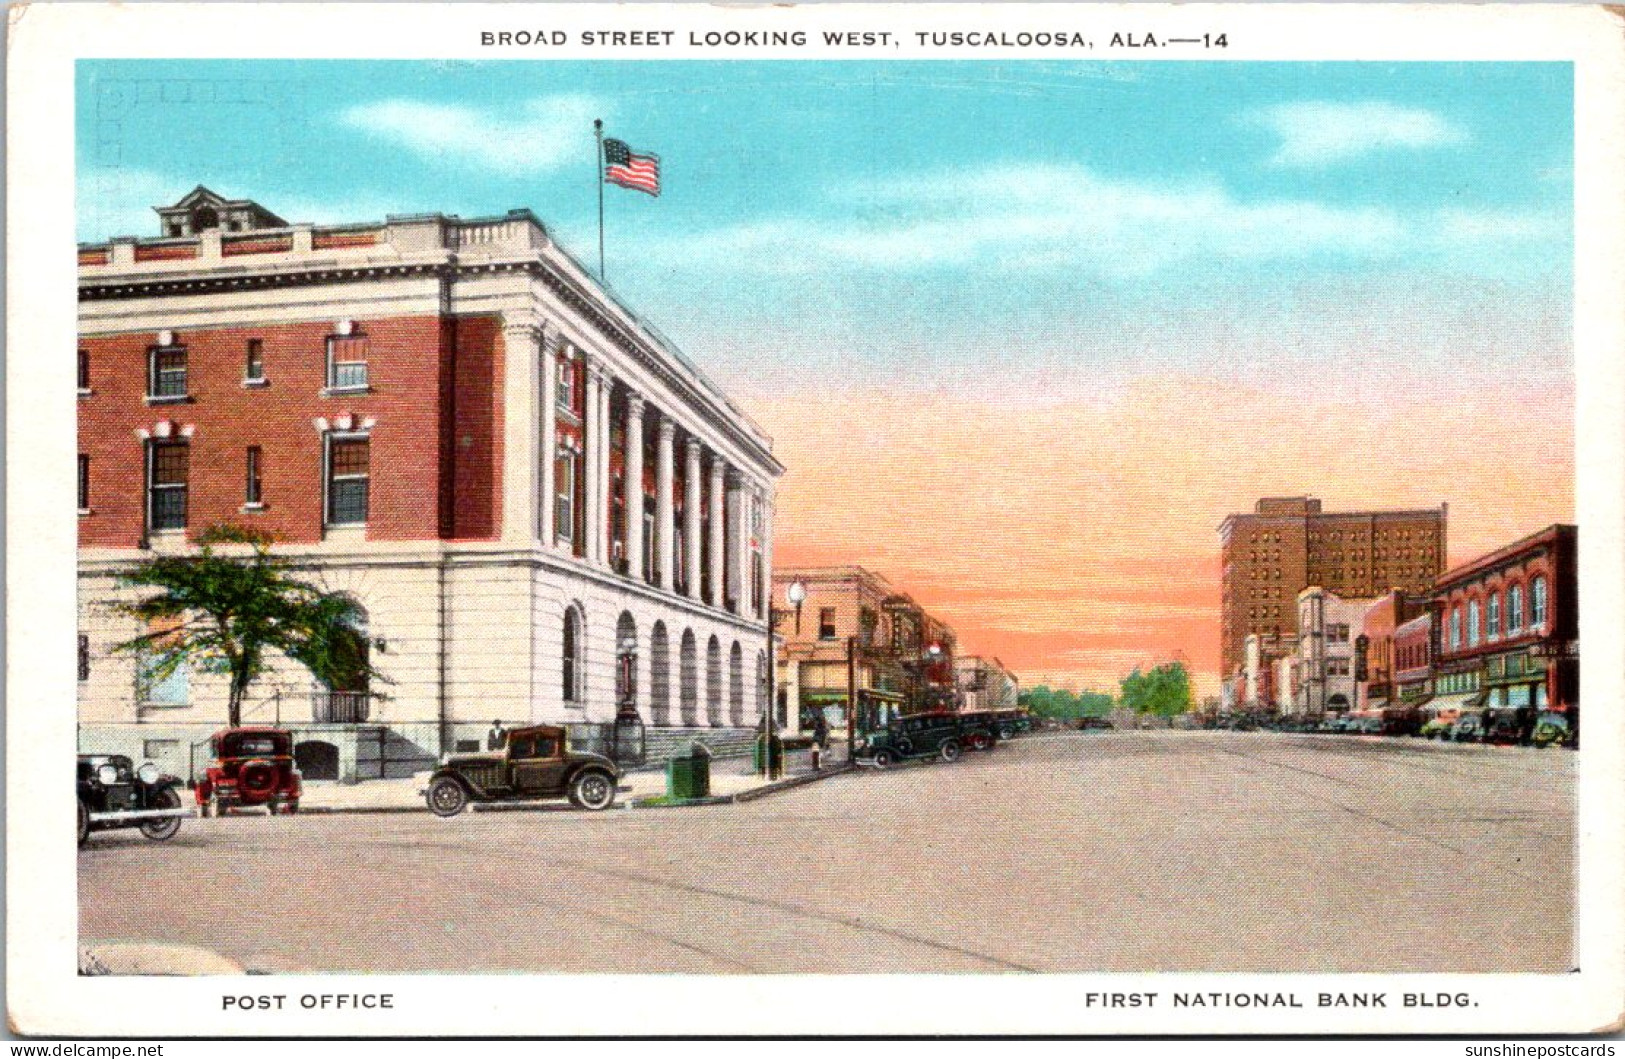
[
  {"x": 574, "y": 772},
  {"x": 468, "y": 785}
]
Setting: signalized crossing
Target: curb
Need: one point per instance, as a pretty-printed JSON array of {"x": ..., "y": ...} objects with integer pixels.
[{"x": 545, "y": 807}]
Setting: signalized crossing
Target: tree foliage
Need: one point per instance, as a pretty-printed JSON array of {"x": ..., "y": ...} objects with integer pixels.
[
  {"x": 1064, "y": 705},
  {"x": 1164, "y": 691},
  {"x": 223, "y": 613}
]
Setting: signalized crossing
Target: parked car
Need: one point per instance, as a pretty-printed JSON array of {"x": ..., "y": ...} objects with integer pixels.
[
  {"x": 1469, "y": 727},
  {"x": 114, "y": 794},
  {"x": 253, "y": 769},
  {"x": 1364, "y": 726},
  {"x": 1507, "y": 726},
  {"x": 536, "y": 763},
  {"x": 1012, "y": 723},
  {"x": 1552, "y": 728},
  {"x": 978, "y": 730},
  {"x": 1086, "y": 724},
  {"x": 1438, "y": 728},
  {"x": 917, "y": 736}
]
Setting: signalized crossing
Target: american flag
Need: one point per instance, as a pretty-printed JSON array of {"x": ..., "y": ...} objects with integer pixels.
[{"x": 641, "y": 172}]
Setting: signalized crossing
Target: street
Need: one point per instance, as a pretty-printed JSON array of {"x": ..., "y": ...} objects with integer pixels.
[{"x": 1087, "y": 852}]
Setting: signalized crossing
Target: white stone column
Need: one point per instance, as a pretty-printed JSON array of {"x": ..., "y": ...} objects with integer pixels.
[
  {"x": 664, "y": 508},
  {"x": 767, "y": 554},
  {"x": 521, "y": 354},
  {"x": 592, "y": 517},
  {"x": 633, "y": 491},
  {"x": 741, "y": 549},
  {"x": 718, "y": 521},
  {"x": 605, "y": 480},
  {"x": 691, "y": 517},
  {"x": 547, "y": 516}
]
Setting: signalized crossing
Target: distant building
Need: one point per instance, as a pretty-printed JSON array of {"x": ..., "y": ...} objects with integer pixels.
[
  {"x": 1379, "y": 626},
  {"x": 900, "y": 656},
  {"x": 1324, "y": 666},
  {"x": 985, "y": 684},
  {"x": 1287, "y": 544},
  {"x": 1510, "y": 628},
  {"x": 1416, "y": 645},
  {"x": 1258, "y": 688}
]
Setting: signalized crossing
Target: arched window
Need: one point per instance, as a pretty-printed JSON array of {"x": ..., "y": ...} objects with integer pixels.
[
  {"x": 346, "y": 698},
  {"x": 1514, "y": 609},
  {"x": 572, "y": 655},
  {"x": 761, "y": 683},
  {"x": 626, "y": 660},
  {"x": 1472, "y": 623},
  {"x": 659, "y": 675},
  {"x": 1492, "y": 617},
  {"x": 1537, "y": 600},
  {"x": 736, "y": 686},
  {"x": 1455, "y": 629},
  {"x": 690, "y": 686},
  {"x": 713, "y": 683}
]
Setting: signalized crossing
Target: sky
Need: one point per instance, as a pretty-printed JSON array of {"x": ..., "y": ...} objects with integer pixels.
[{"x": 1023, "y": 332}]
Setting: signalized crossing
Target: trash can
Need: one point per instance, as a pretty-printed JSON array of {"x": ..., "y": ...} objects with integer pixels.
[
  {"x": 690, "y": 776},
  {"x": 775, "y": 755}
]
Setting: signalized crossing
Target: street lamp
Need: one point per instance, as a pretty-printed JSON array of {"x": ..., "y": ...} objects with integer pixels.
[{"x": 796, "y": 593}]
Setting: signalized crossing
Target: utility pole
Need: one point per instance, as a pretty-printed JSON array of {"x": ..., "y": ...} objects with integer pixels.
[{"x": 851, "y": 699}]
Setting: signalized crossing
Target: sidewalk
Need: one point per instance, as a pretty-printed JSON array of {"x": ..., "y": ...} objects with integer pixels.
[{"x": 732, "y": 779}]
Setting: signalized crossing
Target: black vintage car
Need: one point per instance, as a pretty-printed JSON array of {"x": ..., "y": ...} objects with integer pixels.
[
  {"x": 978, "y": 730},
  {"x": 917, "y": 736},
  {"x": 536, "y": 763},
  {"x": 114, "y": 794}
]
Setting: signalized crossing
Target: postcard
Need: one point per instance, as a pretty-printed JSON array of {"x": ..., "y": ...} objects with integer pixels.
[{"x": 832, "y": 519}]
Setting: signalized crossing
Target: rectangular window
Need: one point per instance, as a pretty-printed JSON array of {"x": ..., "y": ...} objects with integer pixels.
[
  {"x": 348, "y": 475},
  {"x": 84, "y": 482},
  {"x": 167, "y": 378},
  {"x": 84, "y": 657},
  {"x": 564, "y": 475},
  {"x": 347, "y": 363},
  {"x": 251, "y": 475},
  {"x": 254, "y": 365},
  {"x": 171, "y": 690},
  {"x": 564, "y": 389},
  {"x": 826, "y": 623},
  {"x": 84, "y": 371},
  {"x": 168, "y": 468}
]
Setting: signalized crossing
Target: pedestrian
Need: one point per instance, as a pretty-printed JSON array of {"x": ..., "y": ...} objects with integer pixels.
[
  {"x": 821, "y": 732},
  {"x": 497, "y": 737}
]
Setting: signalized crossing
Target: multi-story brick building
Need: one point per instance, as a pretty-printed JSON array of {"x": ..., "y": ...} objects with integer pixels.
[
  {"x": 985, "y": 684},
  {"x": 1380, "y": 626},
  {"x": 1510, "y": 628},
  {"x": 546, "y": 512},
  {"x": 1416, "y": 644},
  {"x": 1288, "y": 544},
  {"x": 854, "y": 626}
]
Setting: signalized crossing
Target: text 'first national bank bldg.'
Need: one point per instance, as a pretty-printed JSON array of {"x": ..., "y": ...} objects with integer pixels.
[{"x": 545, "y": 511}]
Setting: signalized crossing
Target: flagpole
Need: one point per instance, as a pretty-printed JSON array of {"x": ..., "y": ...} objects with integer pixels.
[{"x": 598, "y": 131}]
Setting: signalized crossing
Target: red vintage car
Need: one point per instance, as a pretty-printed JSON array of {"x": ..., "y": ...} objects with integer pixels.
[{"x": 252, "y": 767}]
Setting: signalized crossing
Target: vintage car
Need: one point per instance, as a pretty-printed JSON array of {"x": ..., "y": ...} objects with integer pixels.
[
  {"x": 1086, "y": 724},
  {"x": 916, "y": 736},
  {"x": 1012, "y": 723},
  {"x": 978, "y": 730},
  {"x": 536, "y": 763},
  {"x": 1552, "y": 727},
  {"x": 113, "y": 794},
  {"x": 1469, "y": 727},
  {"x": 253, "y": 768}
]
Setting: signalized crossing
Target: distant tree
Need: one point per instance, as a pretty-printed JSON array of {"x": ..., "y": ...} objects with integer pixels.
[
  {"x": 1165, "y": 691},
  {"x": 224, "y": 613},
  {"x": 1094, "y": 703}
]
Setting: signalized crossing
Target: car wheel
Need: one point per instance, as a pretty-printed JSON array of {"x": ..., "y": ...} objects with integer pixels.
[
  {"x": 1007, "y": 733},
  {"x": 447, "y": 797},
  {"x": 593, "y": 790},
  {"x": 883, "y": 759},
  {"x": 84, "y": 822},
  {"x": 949, "y": 750},
  {"x": 978, "y": 742},
  {"x": 165, "y": 827}
]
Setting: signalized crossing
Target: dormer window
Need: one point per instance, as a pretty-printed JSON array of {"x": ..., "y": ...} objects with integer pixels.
[{"x": 204, "y": 218}]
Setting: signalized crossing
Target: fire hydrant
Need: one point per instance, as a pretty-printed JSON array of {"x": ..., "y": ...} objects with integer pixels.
[{"x": 817, "y": 755}]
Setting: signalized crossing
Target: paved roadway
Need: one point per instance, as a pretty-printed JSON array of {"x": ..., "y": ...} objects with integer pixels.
[{"x": 1066, "y": 852}]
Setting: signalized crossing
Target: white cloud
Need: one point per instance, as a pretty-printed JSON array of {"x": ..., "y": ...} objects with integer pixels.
[
  {"x": 1315, "y": 134},
  {"x": 541, "y": 136},
  {"x": 1033, "y": 218}
]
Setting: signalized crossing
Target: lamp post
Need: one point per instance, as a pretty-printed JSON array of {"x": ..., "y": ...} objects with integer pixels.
[
  {"x": 626, "y": 710},
  {"x": 796, "y": 593}
]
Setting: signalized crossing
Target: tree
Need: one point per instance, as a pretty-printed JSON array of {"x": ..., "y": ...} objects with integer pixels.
[
  {"x": 1164, "y": 691},
  {"x": 224, "y": 613},
  {"x": 1063, "y": 705}
]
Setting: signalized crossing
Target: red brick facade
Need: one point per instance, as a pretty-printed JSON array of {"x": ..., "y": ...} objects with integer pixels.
[{"x": 435, "y": 401}]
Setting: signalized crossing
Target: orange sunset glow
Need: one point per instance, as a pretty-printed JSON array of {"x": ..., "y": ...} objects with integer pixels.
[{"x": 1073, "y": 535}]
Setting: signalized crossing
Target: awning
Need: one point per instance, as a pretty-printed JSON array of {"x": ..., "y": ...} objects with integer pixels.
[
  {"x": 1465, "y": 700},
  {"x": 1377, "y": 704}
]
